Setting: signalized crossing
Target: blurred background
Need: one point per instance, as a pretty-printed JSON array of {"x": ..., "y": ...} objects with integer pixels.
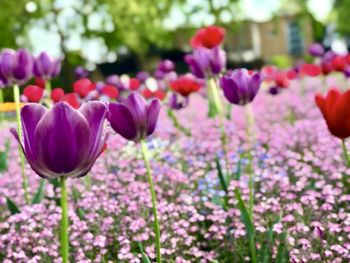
[{"x": 125, "y": 36}]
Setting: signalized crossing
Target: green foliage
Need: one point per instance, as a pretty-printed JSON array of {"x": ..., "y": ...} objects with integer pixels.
[
  {"x": 3, "y": 158},
  {"x": 39, "y": 195},
  {"x": 11, "y": 206},
  {"x": 281, "y": 61},
  {"x": 343, "y": 13}
]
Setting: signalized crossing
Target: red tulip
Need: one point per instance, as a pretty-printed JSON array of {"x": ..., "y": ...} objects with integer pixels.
[
  {"x": 40, "y": 82},
  {"x": 72, "y": 99},
  {"x": 208, "y": 37},
  {"x": 110, "y": 91},
  {"x": 82, "y": 87},
  {"x": 339, "y": 63},
  {"x": 310, "y": 70},
  {"x": 159, "y": 94},
  {"x": 282, "y": 80},
  {"x": 291, "y": 74},
  {"x": 326, "y": 68},
  {"x": 147, "y": 93},
  {"x": 33, "y": 93},
  {"x": 134, "y": 84},
  {"x": 185, "y": 85},
  {"x": 57, "y": 95},
  {"x": 336, "y": 111}
]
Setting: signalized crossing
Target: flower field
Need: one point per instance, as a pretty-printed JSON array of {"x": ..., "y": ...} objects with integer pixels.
[{"x": 250, "y": 167}]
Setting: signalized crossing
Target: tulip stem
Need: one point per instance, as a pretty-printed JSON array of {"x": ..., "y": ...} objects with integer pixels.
[
  {"x": 1, "y": 102},
  {"x": 345, "y": 153},
  {"x": 250, "y": 123},
  {"x": 16, "y": 96},
  {"x": 154, "y": 200},
  {"x": 48, "y": 91},
  {"x": 64, "y": 222},
  {"x": 213, "y": 88},
  {"x": 177, "y": 124}
]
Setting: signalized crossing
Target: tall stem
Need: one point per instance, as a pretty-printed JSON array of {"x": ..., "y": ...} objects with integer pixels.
[
  {"x": 48, "y": 91},
  {"x": 1, "y": 101},
  {"x": 64, "y": 222},
  {"x": 16, "y": 96},
  {"x": 212, "y": 86},
  {"x": 250, "y": 123},
  {"x": 345, "y": 153},
  {"x": 177, "y": 124},
  {"x": 154, "y": 199}
]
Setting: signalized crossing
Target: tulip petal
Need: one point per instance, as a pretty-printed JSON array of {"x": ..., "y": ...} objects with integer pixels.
[
  {"x": 152, "y": 116},
  {"x": 230, "y": 90},
  {"x": 122, "y": 121},
  {"x": 63, "y": 138},
  {"x": 31, "y": 115},
  {"x": 341, "y": 116},
  {"x": 95, "y": 113},
  {"x": 137, "y": 106}
]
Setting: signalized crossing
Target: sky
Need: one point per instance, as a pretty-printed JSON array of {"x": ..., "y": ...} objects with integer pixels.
[{"x": 96, "y": 52}]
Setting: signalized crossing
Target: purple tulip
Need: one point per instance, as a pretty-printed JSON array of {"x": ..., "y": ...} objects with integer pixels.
[
  {"x": 99, "y": 86},
  {"x": 46, "y": 67},
  {"x": 62, "y": 141},
  {"x": 158, "y": 74},
  {"x": 206, "y": 62},
  {"x": 134, "y": 118},
  {"x": 239, "y": 86},
  {"x": 316, "y": 50},
  {"x": 142, "y": 76},
  {"x": 329, "y": 56},
  {"x": 16, "y": 66},
  {"x": 166, "y": 66},
  {"x": 176, "y": 104},
  {"x": 347, "y": 71},
  {"x": 81, "y": 72}
]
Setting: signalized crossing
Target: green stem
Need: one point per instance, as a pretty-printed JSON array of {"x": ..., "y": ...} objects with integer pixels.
[
  {"x": 154, "y": 199},
  {"x": 250, "y": 123},
  {"x": 16, "y": 96},
  {"x": 1, "y": 101},
  {"x": 88, "y": 182},
  {"x": 345, "y": 153},
  {"x": 214, "y": 91},
  {"x": 48, "y": 91},
  {"x": 177, "y": 124},
  {"x": 64, "y": 222}
]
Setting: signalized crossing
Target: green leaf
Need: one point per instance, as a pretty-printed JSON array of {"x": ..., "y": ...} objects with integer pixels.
[
  {"x": 221, "y": 175},
  {"x": 3, "y": 158},
  {"x": 145, "y": 258},
  {"x": 55, "y": 182},
  {"x": 75, "y": 194},
  {"x": 39, "y": 195},
  {"x": 248, "y": 225},
  {"x": 267, "y": 247},
  {"x": 282, "y": 252},
  {"x": 81, "y": 213},
  {"x": 12, "y": 206}
]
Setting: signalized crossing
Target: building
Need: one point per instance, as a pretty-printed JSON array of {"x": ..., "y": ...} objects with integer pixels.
[{"x": 281, "y": 36}]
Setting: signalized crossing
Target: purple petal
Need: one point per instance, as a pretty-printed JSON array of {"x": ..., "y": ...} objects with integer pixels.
[
  {"x": 152, "y": 116},
  {"x": 230, "y": 90},
  {"x": 63, "y": 138},
  {"x": 122, "y": 121},
  {"x": 95, "y": 114},
  {"x": 137, "y": 106},
  {"x": 31, "y": 115},
  {"x": 7, "y": 60}
]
